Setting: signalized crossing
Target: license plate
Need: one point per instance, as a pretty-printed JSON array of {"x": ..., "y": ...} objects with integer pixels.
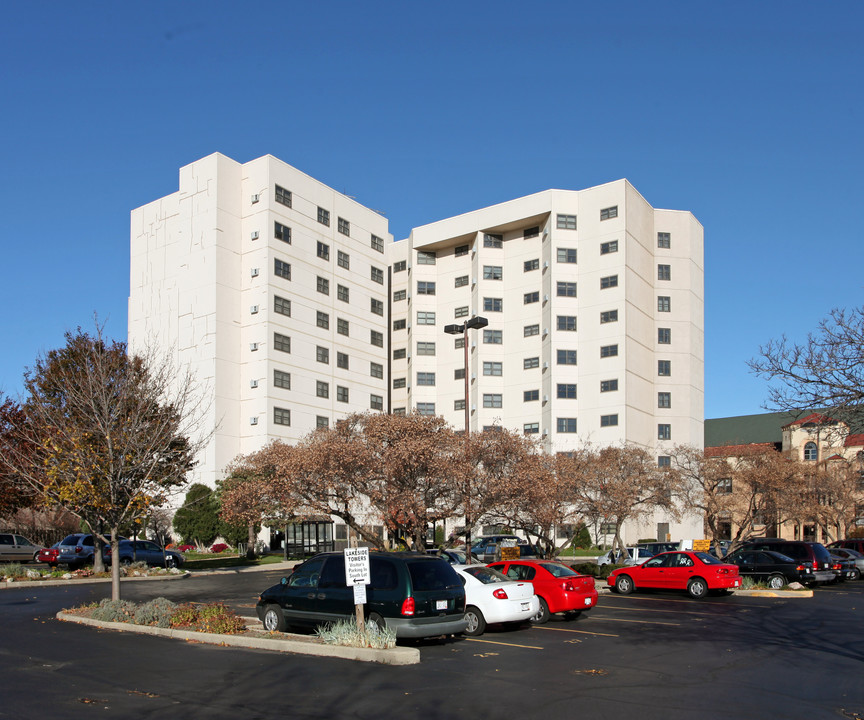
[
  {"x": 526, "y": 606},
  {"x": 587, "y": 601},
  {"x": 737, "y": 583},
  {"x": 440, "y": 604}
]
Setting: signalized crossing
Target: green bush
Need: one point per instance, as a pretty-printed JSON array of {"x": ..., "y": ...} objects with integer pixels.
[
  {"x": 12, "y": 570},
  {"x": 158, "y": 612},
  {"x": 115, "y": 611},
  {"x": 601, "y": 572},
  {"x": 212, "y": 618},
  {"x": 346, "y": 633}
]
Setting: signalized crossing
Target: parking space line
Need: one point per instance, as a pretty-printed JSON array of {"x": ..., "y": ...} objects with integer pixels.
[
  {"x": 647, "y": 598},
  {"x": 582, "y": 632},
  {"x": 650, "y": 610},
  {"x": 493, "y": 642},
  {"x": 642, "y": 622}
]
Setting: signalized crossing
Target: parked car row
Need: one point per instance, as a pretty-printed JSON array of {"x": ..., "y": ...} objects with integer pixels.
[{"x": 78, "y": 549}]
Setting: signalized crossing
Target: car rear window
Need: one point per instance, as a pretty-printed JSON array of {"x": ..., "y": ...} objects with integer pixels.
[
  {"x": 487, "y": 575},
  {"x": 821, "y": 552},
  {"x": 432, "y": 575},
  {"x": 558, "y": 571},
  {"x": 70, "y": 540}
]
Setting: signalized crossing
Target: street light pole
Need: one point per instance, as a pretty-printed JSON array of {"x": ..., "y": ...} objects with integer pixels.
[{"x": 474, "y": 323}]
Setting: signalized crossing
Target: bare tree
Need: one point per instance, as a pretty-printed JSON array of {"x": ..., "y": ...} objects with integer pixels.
[
  {"x": 110, "y": 435},
  {"x": 826, "y": 371}
]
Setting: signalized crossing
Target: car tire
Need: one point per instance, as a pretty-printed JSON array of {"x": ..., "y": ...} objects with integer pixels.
[
  {"x": 273, "y": 620},
  {"x": 775, "y": 582},
  {"x": 855, "y": 574},
  {"x": 476, "y": 621},
  {"x": 125, "y": 562},
  {"x": 542, "y": 615},
  {"x": 170, "y": 561},
  {"x": 376, "y": 621},
  {"x": 697, "y": 588},
  {"x": 624, "y": 585}
]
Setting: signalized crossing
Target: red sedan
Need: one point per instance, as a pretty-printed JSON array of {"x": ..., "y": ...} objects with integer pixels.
[
  {"x": 695, "y": 572},
  {"x": 558, "y": 587}
]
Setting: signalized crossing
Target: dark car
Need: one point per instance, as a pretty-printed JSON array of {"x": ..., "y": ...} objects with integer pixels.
[
  {"x": 772, "y": 568},
  {"x": 415, "y": 595},
  {"x": 812, "y": 553},
  {"x": 844, "y": 568},
  {"x": 856, "y": 544},
  {"x": 145, "y": 551}
]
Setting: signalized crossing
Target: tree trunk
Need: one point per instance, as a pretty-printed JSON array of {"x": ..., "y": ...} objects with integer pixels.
[
  {"x": 250, "y": 548},
  {"x": 98, "y": 545},
  {"x": 115, "y": 564}
]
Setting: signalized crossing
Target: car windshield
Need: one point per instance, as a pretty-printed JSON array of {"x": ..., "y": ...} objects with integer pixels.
[
  {"x": 557, "y": 570},
  {"x": 486, "y": 575},
  {"x": 783, "y": 558},
  {"x": 707, "y": 559}
]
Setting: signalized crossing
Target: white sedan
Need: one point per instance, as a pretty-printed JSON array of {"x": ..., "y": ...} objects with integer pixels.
[{"x": 491, "y": 597}]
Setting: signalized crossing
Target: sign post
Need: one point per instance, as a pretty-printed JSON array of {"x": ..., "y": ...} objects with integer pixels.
[{"x": 358, "y": 576}]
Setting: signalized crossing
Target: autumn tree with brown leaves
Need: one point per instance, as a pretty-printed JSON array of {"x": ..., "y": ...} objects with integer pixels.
[
  {"x": 15, "y": 493},
  {"x": 834, "y": 496}
]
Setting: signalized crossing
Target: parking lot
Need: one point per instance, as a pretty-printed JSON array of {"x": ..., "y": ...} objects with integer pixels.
[{"x": 656, "y": 655}]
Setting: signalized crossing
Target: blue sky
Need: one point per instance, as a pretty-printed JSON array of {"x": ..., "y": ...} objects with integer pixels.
[{"x": 750, "y": 115}]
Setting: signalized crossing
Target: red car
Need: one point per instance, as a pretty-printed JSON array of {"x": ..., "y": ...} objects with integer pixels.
[
  {"x": 695, "y": 572},
  {"x": 48, "y": 555},
  {"x": 558, "y": 587}
]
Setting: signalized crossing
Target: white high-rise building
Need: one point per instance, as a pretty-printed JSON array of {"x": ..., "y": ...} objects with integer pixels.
[{"x": 295, "y": 307}]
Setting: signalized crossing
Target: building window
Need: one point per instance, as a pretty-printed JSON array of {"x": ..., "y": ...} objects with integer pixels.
[
  {"x": 608, "y": 420},
  {"x": 664, "y": 336},
  {"x": 342, "y": 293},
  {"x": 323, "y": 250},
  {"x": 322, "y": 354},
  {"x": 530, "y": 363},
  {"x": 461, "y": 250},
  {"x": 281, "y": 416},
  {"x": 377, "y": 243},
  {"x": 608, "y": 385},
  {"x": 342, "y": 360},
  {"x": 425, "y": 317},
  {"x": 376, "y": 338},
  {"x": 322, "y": 320},
  {"x": 400, "y": 266},
  {"x": 811, "y": 451},
  {"x": 281, "y": 305},
  {"x": 567, "y": 322},
  {"x": 493, "y": 368},
  {"x": 323, "y": 285},
  {"x": 425, "y": 347},
  {"x": 724, "y": 486},
  {"x": 664, "y": 303},
  {"x": 376, "y": 306},
  {"x": 531, "y": 297},
  {"x": 321, "y": 421},
  {"x": 399, "y": 411},
  {"x": 664, "y": 399},
  {"x": 609, "y": 247},
  {"x": 425, "y": 287},
  {"x": 324, "y": 216},
  {"x": 342, "y": 326},
  {"x": 425, "y": 258},
  {"x": 610, "y": 281},
  {"x": 493, "y": 272},
  {"x": 664, "y": 368},
  {"x": 609, "y": 213},
  {"x": 399, "y": 324},
  {"x": 530, "y": 265},
  {"x": 567, "y": 391},
  {"x": 343, "y": 260},
  {"x": 461, "y": 281},
  {"x": 566, "y": 222},
  {"x": 281, "y": 343},
  {"x": 492, "y": 241},
  {"x": 459, "y": 373},
  {"x": 608, "y": 316},
  {"x": 664, "y": 272},
  {"x": 664, "y": 431},
  {"x": 530, "y": 330},
  {"x": 664, "y": 240},
  {"x": 493, "y": 337},
  {"x": 531, "y": 428},
  {"x": 608, "y": 351},
  {"x": 283, "y": 196},
  {"x": 664, "y": 461},
  {"x": 376, "y": 402},
  {"x": 530, "y": 396},
  {"x": 459, "y": 343},
  {"x": 566, "y": 357},
  {"x": 566, "y": 425},
  {"x": 322, "y": 389},
  {"x": 341, "y": 394},
  {"x": 398, "y": 383},
  {"x": 376, "y": 275},
  {"x": 281, "y": 379},
  {"x": 531, "y": 232},
  {"x": 399, "y": 295},
  {"x": 492, "y": 400},
  {"x": 399, "y": 354},
  {"x": 459, "y": 404},
  {"x": 426, "y": 408},
  {"x": 282, "y": 269},
  {"x": 566, "y": 289},
  {"x": 566, "y": 255},
  {"x": 426, "y": 378},
  {"x": 461, "y": 312},
  {"x": 282, "y": 232},
  {"x": 492, "y": 304}
]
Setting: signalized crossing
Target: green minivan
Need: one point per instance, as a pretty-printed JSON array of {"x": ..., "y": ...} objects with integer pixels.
[{"x": 415, "y": 595}]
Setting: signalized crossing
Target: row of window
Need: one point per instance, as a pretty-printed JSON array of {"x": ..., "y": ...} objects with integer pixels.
[{"x": 282, "y": 416}]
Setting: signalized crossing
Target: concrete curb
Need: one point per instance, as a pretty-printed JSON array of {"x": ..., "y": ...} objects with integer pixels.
[
  {"x": 285, "y": 565},
  {"x": 84, "y": 581},
  {"x": 393, "y": 656}
]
